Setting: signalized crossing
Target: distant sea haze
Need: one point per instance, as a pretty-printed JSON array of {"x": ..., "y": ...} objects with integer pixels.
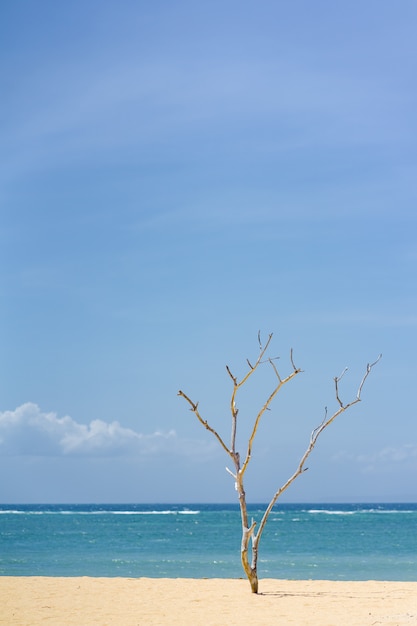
[{"x": 301, "y": 541}]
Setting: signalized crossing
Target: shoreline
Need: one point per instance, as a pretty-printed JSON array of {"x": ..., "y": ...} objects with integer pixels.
[{"x": 33, "y": 600}]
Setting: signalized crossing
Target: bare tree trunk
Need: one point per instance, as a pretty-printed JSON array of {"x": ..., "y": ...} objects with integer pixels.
[
  {"x": 250, "y": 538},
  {"x": 250, "y": 567},
  {"x": 251, "y": 572}
]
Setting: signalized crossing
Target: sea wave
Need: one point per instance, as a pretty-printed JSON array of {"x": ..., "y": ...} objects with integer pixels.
[
  {"x": 327, "y": 512},
  {"x": 357, "y": 511},
  {"x": 101, "y": 512}
]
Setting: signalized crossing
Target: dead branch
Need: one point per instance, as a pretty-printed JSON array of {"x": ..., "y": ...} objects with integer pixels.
[
  {"x": 313, "y": 439},
  {"x": 336, "y": 383},
  {"x": 281, "y": 383},
  {"x": 236, "y": 386},
  {"x": 231, "y": 375},
  {"x": 194, "y": 409}
]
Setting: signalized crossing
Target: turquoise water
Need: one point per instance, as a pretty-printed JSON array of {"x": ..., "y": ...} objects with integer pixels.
[{"x": 301, "y": 541}]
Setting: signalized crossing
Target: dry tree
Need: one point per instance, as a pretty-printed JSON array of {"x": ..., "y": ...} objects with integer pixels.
[{"x": 251, "y": 536}]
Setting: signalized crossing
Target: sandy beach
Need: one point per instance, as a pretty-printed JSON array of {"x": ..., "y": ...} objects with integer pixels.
[{"x": 32, "y": 601}]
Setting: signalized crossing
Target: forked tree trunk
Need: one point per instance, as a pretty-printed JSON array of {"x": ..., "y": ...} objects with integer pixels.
[
  {"x": 252, "y": 575},
  {"x": 251, "y": 570}
]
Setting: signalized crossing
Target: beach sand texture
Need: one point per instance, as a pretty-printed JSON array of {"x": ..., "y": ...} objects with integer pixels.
[{"x": 33, "y": 601}]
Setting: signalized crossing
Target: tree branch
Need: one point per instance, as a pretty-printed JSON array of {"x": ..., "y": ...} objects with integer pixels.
[
  {"x": 281, "y": 383},
  {"x": 194, "y": 409},
  {"x": 236, "y": 386},
  {"x": 313, "y": 439}
]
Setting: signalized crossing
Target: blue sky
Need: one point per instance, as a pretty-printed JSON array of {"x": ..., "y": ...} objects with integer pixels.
[{"x": 176, "y": 176}]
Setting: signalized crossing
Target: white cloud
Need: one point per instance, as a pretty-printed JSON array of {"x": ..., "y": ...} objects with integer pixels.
[{"x": 29, "y": 431}]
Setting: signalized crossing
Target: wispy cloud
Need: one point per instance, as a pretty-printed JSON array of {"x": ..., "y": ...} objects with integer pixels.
[
  {"x": 356, "y": 317},
  {"x": 96, "y": 110},
  {"x": 29, "y": 431},
  {"x": 385, "y": 458}
]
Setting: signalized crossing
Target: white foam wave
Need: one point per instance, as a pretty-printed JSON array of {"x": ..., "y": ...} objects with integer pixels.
[
  {"x": 102, "y": 512},
  {"x": 326, "y": 512}
]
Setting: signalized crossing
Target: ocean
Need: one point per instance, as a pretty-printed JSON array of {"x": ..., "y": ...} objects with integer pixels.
[{"x": 300, "y": 541}]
